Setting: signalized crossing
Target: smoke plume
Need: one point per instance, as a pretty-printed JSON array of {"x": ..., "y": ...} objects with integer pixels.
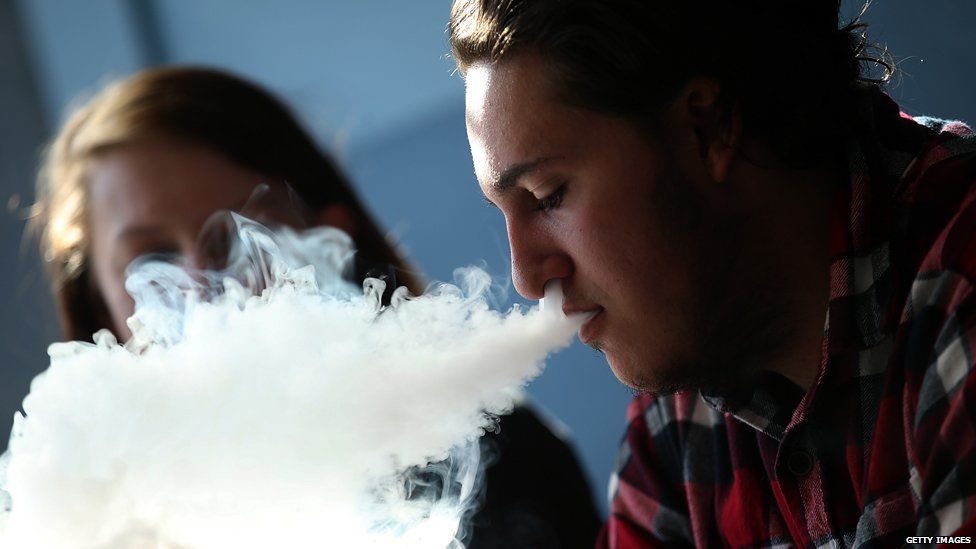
[{"x": 271, "y": 404}]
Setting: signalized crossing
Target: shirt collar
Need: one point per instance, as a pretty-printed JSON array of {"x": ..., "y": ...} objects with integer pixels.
[{"x": 767, "y": 403}]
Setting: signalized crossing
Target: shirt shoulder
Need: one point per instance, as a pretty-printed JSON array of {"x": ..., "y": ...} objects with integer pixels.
[{"x": 934, "y": 206}]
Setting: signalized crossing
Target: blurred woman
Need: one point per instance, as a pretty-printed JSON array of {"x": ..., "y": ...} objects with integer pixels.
[{"x": 141, "y": 168}]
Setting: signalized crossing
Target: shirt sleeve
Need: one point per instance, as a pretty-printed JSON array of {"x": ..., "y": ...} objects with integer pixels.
[
  {"x": 942, "y": 440},
  {"x": 647, "y": 506},
  {"x": 941, "y": 388}
]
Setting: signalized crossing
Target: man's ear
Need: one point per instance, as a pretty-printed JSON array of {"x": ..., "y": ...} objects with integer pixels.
[
  {"x": 337, "y": 215},
  {"x": 717, "y": 125}
]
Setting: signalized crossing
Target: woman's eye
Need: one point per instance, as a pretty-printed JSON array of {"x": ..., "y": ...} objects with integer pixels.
[
  {"x": 156, "y": 257},
  {"x": 166, "y": 257},
  {"x": 551, "y": 201}
]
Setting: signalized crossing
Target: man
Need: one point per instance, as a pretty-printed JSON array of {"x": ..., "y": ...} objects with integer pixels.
[{"x": 776, "y": 258}]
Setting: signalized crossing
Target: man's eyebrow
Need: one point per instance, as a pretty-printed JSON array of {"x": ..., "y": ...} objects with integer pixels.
[{"x": 513, "y": 173}]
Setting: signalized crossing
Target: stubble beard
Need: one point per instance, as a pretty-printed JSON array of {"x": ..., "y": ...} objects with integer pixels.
[
  {"x": 736, "y": 322},
  {"x": 741, "y": 320}
]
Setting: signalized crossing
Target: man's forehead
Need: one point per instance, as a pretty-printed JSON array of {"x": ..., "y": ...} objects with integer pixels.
[
  {"x": 486, "y": 169},
  {"x": 511, "y": 119},
  {"x": 486, "y": 117},
  {"x": 477, "y": 82},
  {"x": 516, "y": 87}
]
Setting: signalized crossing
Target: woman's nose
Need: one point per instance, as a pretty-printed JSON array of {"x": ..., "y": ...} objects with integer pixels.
[{"x": 212, "y": 246}]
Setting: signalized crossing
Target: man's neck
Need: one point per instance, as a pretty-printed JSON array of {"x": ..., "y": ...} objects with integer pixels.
[{"x": 791, "y": 232}]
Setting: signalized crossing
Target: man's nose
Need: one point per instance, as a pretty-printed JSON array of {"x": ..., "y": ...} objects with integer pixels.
[{"x": 537, "y": 258}]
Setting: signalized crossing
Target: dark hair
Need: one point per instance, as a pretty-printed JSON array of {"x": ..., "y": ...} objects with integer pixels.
[
  {"x": 202, "y": 106},
  {"x": 787, "y": 65}
]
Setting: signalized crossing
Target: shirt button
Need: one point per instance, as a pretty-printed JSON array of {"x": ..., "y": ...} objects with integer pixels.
[{"x": 800, "y": 463}]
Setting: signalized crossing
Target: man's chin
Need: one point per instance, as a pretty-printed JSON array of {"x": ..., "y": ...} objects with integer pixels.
[
  {"x": 656, "y": 379},
  {"x": 637, "y": 377}
]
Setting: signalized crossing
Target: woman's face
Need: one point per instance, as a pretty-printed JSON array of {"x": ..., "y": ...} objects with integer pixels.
[{"x": 154, "y": 198}]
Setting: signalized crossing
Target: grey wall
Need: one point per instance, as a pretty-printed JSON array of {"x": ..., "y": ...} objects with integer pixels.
[
  {"x": 27, "y": 321},
  {"x": 371, "y": 80}
]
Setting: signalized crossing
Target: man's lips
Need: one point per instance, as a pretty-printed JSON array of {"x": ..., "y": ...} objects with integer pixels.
[{"x": 591, "y": 327}]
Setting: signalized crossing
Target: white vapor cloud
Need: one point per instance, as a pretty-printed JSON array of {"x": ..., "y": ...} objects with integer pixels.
[{"x": 310, "y": 415}]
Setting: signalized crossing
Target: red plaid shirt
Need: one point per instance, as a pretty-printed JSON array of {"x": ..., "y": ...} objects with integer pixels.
[{"x": 883, "y": 446}]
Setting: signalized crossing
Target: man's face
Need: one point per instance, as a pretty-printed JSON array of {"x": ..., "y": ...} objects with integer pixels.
[{"x": 591, "y": 200}]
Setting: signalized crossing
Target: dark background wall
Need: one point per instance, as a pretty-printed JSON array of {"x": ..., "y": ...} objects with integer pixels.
[{"x": 371, "y": 80}]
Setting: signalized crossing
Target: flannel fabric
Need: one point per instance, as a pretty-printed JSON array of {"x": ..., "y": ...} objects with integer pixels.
[{"x": 883, "y": 445}]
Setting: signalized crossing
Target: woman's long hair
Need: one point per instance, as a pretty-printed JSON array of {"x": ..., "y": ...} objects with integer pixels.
[{"x": 206, "y": 107}]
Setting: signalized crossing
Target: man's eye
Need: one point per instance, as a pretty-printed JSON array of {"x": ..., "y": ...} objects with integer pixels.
[{"x": 551, "y": 201}]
